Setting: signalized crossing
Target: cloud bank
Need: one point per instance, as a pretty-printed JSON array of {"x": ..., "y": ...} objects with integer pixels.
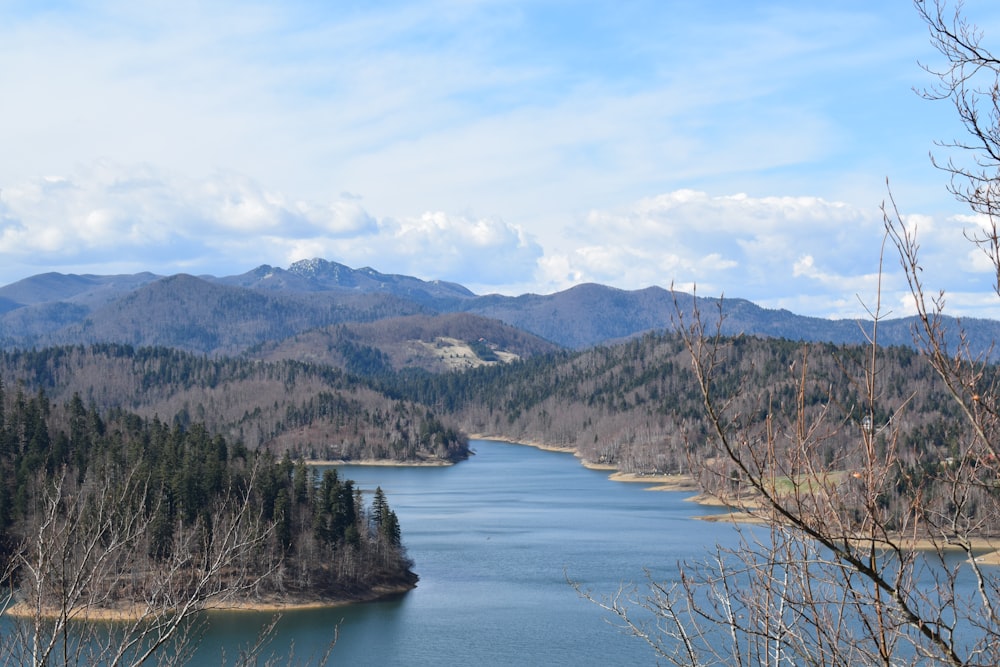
[
  {"x": 806, "y": 254},
  {"x": 109, "y": 218}
]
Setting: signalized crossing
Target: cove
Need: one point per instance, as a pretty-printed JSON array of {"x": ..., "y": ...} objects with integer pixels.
[{"x": 494, "y": 540}]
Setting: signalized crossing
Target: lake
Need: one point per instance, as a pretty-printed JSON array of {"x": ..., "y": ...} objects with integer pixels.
[{"x": 494, "y": 540}]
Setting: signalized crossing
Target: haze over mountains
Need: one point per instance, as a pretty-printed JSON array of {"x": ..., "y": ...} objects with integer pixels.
[{"x": 270, "y": 309}]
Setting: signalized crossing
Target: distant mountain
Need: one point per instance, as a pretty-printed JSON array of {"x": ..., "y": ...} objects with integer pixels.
[
  {"x": 270, "y": 309},
  {"x": 588, "y": 315},
  {"x": 7, "y": 305},
  {"x": 86, "y": 289},
  {"x": 197, "y": 315},
  {"x": 33, "y": 308},
  {"x": 320, "y": 275},
  {"x": 581, "y": 316}
]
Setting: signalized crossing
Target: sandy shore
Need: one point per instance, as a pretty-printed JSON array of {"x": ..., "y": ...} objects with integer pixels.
[
  {"x": 380, "y": 462},
  {"x": 655, "y": 482},
  {"x": 278, "y": 605},
  {"x": 123, "y": 613},
  {"x": 658, "y": 482},
  {"x": 987, "y": 550},
  {"x": 132, "y": 613},
  {"x": 565, "y": 449}
]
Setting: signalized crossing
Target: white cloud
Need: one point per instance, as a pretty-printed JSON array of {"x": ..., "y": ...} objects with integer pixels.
[
  {"x": 441, "y": 105},
  {"x": 753, "y": 247},
  {"x": 439, "y": 245},
  {"x": 138, "y": 218},
  {"x": 242, "y": 205},
  {"x": 805, "y": 266},
  {"x": 802, "y": 253}
]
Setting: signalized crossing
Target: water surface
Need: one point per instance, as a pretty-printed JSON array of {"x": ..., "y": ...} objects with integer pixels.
[{"x": 494, "y": 540}]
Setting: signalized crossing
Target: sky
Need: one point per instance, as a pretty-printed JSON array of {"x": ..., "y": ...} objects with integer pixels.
[{"x": 742, "y": 149}]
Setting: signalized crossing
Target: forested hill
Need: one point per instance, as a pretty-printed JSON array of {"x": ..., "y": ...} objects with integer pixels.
[
  {"x": 306, "y": 409},
  {"x": 637, "y": 406},
  {"x": 453, "y": 341},
  {"x": 634, "y": 405},
  {"x": 107, "y": 510}
]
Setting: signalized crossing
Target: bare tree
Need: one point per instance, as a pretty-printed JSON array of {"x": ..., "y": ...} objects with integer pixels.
[
  {"x": 968, "y": 79},
  {"x": 88, "y": 554},
  {"x": 837, "y": 574},
  {"x": 862, "y": 557}
]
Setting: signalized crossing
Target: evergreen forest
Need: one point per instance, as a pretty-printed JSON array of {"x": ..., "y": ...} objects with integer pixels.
[
  {"x": 108, "y": 509},
  {"x": 633, "y": 406}
]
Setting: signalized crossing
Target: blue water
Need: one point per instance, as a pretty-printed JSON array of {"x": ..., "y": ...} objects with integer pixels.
[{"x": 494, "y": 540}]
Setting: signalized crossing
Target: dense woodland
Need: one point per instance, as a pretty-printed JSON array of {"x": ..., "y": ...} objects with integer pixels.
[
  {"x": 635, "y": 406},
  {"x": 177, "y": 496},
  {"x": 306, "y": 409}
]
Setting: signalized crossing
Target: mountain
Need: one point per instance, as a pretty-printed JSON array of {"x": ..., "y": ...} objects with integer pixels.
[
  {"x": 33, "y": 308},
  {"x": 271, "y": 309},
  {"x": 584, "y": 315},
  {"x": 589, "y": 314},
  {"x": 320, "y": 275},
  {"x": 192, "y": 314},
  {"x": 57, "y": 287}
]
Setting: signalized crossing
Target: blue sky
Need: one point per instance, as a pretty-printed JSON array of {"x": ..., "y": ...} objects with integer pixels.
[{"x": 510, "y": 146}]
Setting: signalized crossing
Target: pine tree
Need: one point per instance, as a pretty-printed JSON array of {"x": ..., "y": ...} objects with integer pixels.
[{"x": 386, "y": 522}]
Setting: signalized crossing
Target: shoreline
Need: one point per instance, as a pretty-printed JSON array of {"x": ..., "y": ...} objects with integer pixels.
[
  {"x": 989, "y": 547},
  {"x": 138, "y": 612},
  {"x": 656, "y": 482},
  {"x": 426, "y": 463},
  {"x": 537, "y": 444},
  {"x": 276, "y": 605}
]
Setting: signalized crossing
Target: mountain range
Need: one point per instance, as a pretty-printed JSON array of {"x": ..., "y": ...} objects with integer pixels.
[{"x": 314, "y": 308}]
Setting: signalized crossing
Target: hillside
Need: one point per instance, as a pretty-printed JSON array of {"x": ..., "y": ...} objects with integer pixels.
[
  {"x": 306, "y": 410},
  {"x": 192, "y": 314},
  {"x": 440, "y": 343},
  {"x": 636, "y": 407},
  {"x": 633, "y": 406},
  {"x": 104, "y": 513}
]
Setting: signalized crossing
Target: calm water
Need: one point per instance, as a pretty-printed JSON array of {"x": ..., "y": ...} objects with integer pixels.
[{"x": 494, "y": 540}]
